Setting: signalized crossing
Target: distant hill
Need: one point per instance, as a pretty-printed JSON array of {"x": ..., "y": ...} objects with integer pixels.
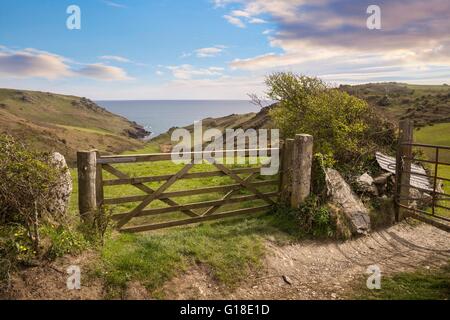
[
  {"x": 425, "y": 104},
  {"x": 66, "y": 124}
]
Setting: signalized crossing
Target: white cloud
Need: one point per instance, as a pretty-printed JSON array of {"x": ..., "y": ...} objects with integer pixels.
[
  {"x": 115, "y": 58},
  {"x": 28, "y": 64},
  {"x": 187, "y": 71},
  {"x": 330, "y": 37},
  {"x": 114, "y": 4},
  {"x": 103, "y": 72},
  {"x": 210, "y": 52},
  {"x": 234, "y": 21},
  {"x": 32, "y": 63},
  {"x": 257, "y": 21}
]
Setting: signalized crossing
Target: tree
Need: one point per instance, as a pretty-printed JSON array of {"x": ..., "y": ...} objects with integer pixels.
[{"x": 344, "y": 127}]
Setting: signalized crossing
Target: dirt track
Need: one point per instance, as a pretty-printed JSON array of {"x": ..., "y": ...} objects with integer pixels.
[
  {"x": 326, "y": 270},
  {"x": 315, "y": 270}
]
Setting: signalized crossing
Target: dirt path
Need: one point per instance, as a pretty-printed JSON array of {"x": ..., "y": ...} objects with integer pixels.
[
  {"x": 315, "y": 270},
  {"x": 325, "y": 270}
]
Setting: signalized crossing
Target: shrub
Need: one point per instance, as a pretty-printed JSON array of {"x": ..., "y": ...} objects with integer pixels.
[
  {"x": 312, "y": 218},
  {"x": 26, "y": 179},
  {"x": 344, "y": 127},
  {"x": 63, "y": 241}
]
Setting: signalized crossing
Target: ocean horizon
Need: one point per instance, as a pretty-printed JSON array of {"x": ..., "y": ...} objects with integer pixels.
[{"x": 158, "y": 116}]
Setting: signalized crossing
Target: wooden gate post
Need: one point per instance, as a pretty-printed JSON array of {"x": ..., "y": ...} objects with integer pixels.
[
  {"x": 286, "y": 172},
  {"x": 403, "y": 167},
  {"x": 87, "y": 172},
  {"x": 301, "y": 169},
  {"x": 99, "y": 182}
]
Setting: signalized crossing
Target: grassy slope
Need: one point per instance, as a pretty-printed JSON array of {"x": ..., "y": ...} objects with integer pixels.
[
  {"x": 65, "y": 124},
  {"x": 422, "y": 103}
]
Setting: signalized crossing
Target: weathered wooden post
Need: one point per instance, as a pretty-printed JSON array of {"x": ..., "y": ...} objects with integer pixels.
[
  {"x": 98, "y": 182},
  {"x": 286, "y": 172},
  {"x": 301, "y": 169},
  {"x": 87, "y": 172},
  {"x": 403, "y": 167}
]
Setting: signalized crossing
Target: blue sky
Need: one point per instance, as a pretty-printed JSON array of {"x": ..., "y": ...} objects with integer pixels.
[{"x": 216, "y": 49}]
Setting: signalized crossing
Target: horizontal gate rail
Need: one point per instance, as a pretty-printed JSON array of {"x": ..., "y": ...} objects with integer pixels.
[
  {"x": 199, "y": 205},
  {"x": 194, "y": 175},
  {"x": 217, "y": 216},
  {"x": 168, "y": 156},
  {"x": 184, "y": 193}
]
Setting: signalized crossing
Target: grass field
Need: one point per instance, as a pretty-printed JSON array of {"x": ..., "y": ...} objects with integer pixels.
[{"x": 438, "y": 134}]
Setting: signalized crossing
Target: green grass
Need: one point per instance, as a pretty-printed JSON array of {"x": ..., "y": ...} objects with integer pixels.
[
  {"x": 419, "y": 285},
  {"x": 229, "y": 248},
  {"x": 89, "y": 130},
  {"x": 438, "y": 134}
]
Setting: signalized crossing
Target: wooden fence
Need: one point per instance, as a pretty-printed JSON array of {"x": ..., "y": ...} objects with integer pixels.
[
  {"x": 436, "y": 213},
  {"x": 293, "y": 186}
]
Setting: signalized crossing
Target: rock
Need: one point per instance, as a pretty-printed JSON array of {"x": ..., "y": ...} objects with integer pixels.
[
  {"x": 366, "y": 185},
  {"x": 60, "y": 195},
  {"x": 287, "y": 279},
  {"x": 365, "y": 179},
  {"x": 165, "y": 148},
  {"x": 343, "y": 197},
  {"x": 419, "y": 199},
  {"x": 382, "y": 179}
]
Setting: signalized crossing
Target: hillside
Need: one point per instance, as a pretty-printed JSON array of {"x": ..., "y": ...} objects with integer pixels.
[
  {"x": 246, "y": 121},
  {"x": 425, "y": 104},
  {"x": 53, "y": 122}
]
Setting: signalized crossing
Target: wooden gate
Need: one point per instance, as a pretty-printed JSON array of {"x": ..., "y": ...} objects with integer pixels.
[
  {"x": 434, "y": 200},
  {"x": 245, "y": 185}
]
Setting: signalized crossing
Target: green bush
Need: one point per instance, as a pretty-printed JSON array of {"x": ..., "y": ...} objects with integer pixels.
[
  {"x": 344, "y": 127},
  {"x": 312, "y": 218},
  {"x": 26, "y": 180},
  {"x": 63, "y": 241}
]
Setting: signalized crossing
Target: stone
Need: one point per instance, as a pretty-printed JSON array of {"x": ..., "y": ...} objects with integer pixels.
[
  {"x": 365, "y": 179},
  {"x": 382, "y": 179},
  {"x": 419, "y": 199},
  {"x": 287, "y": 279},
  {"x": 366, "y": 185},
  {"x": 60, "y": 195},
  {"x": 342, "y": 196}
]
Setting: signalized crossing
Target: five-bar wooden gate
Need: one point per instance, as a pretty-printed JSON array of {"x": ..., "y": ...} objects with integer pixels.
[{"x": 294, "y": 184}]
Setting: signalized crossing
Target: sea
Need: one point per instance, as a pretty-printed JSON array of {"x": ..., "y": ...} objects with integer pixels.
[{"x": 158, "y": 116}]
